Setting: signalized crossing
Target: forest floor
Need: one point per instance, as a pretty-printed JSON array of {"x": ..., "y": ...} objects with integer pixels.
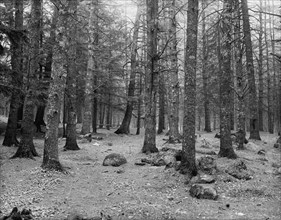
[{"x": 137, "y": 192}]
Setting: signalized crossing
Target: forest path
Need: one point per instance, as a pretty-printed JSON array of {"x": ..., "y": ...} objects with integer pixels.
[{"x": 137, "y": 192}]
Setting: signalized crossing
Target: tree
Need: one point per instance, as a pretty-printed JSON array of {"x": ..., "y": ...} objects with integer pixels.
[
  {"x": 253, "y": 104},
  {"x": 188, "y": 164},
  {"x": 174, "y": 86},
  {"x": 151, "y": 78},
  {"x": 16, "y": 62},
  {"x": 71, "y": 142},
  {"x": 205, "y": 72},
  {"x": 86, "y": 125},
  {"x": 26, "y": 146},
  {"x": 50, "y": 156},
  {"x": 125, "y": 125},
  {"x": 224, "y": 53}
]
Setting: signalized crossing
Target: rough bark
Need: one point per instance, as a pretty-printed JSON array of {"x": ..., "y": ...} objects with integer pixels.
[
  {"x": 205, "y": 72},
  {"x": 224, "y": 53},
  {"x": 26, "y": 147},
  {"x": 174, "y": 87},
  {"x": 240, "y": 78},
  {"x": 253, "y": 103},
  {"x": 10, "y": 138},
  {"x": 51, "y": 155},
  {"x": 39, "y": 119},
  {"x": 161, "y": 114},
  {"x": 71, "y": 142},
  {"x": 125, "y": 125},
  {"x": 188, "y": 164},
  {"x": 151, "y": 78}
]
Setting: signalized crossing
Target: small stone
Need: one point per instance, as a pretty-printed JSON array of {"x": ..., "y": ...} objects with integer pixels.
[
  {"x": 203, "y": 192},
  {"x": 207, "y": 165},
  {"x": 140, "y": 163},
  {"x": 261, "y": 152}
]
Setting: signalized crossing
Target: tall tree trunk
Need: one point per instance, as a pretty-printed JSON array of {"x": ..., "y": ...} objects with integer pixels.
[
  {"x": 102, "y": 112},
  {"x": 151, "y": 78},
  {"x": 173, "y": 80},
  {"x": 260, "y": 65},
  {"x": 10, "y": 138},
  {"x": 56, "y": 91},
  {"x": 26, "y": 147},
  {"x": 240, "y": 78},
  {"x": 125, "y": 126},
  {"x": 86, "y": 125},
  {"x": 39, "y": 119},
  {"x": 139, "y": 105},
  {"x": 71, "y": 142},
  {"x": 224, "y": 52},
  {"x": 188, "y": 164},
  {"x": 205, "y": 72},
  {"x": 161, "y": 117},
  {"x": 254, "y": 117}
]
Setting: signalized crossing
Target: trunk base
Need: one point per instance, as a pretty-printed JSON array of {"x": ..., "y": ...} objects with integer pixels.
[
  {"x": 25, "y": 151},
  {"x": 188, "y": 170},
  {"x": 122, "y": 130},
  {"x": 10, "y": 141},
  {"x": 53, "y": 165},
  {"x": 229, "y": 153},
  {"x": 71, "y": 147},
  {"x": 149, "y": 148}
]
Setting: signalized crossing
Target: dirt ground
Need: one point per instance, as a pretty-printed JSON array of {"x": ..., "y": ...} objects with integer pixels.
[{"x": 137, "y": 192}]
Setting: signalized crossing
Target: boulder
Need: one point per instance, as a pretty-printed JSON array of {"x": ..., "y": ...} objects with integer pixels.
[
  {"x": 238, "y": 169},
  {"x": 203, "y": 192},
  {"x": 203, "y": 179},
  {"x": 207, "y": 165},
  {"x": 114, "y": 160}
]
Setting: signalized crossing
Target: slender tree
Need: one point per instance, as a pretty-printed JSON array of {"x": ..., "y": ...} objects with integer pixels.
[
  {"x": 71, "y": 142},
  {"x": 205, "y": 71},
  {"x": 51, "y": 156},
  {"x": 125, "y": 125},
  {"x": 253, "y": 103},
  {"x": 174, "y": 87},
  {"x": 188, "y": 165},
  {"x": 151, "y": 78}
]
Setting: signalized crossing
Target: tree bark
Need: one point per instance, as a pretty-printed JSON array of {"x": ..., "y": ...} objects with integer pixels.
[
  {"x": 125, "y": 125},
  {"x": 205, "y": 72},
  {"x": 174, "y": 87},
  {"x": 151, "y": 78},
  {"x": 10, "y": 138},
  {"x": 188, "y": 164},
  {"x": 71, "y": 142},
  {"x": 224, "y": 53},
  {"x": 254, "y": 118},
  {"x": 26, "y": 147}
]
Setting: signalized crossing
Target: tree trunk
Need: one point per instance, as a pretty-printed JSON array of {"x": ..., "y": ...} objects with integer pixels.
[
  {"x": 151, "y": 78},
  {"x": 260, "y": 69},
  {"x": 51, "y": 155},
  {"x": 71, "y": 142},
  {"x": 102, "y": 113},
  {"x": 161, "y": 117},
  {"x": 10, "y": 138},
  {"x": 125, "y": 126},
  {"x": 188, "y": 164},
  {"x": 205, "y": 72},
  {"x": 95, "y": 103},
  {"x": 254, "y": 118},
  {"x": 26, "y": 147},
  {"x": 39, "y": 119},
  {"x": 240, "y": 78},
  {"x": 174, "y": 87},
  {"x": 224, "y": 53},
  {"x": 86, "y": 125}
]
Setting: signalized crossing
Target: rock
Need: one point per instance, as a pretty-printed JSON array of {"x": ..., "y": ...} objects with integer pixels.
[
  {"x": 238, "y": 169},
  {"x": 114, "y": 160},
  {"x": 277, "y": 145},
  {"x": 276, "y": 165},
  {"x": 140, "y": 163},
  {"x": 207, "y": 165},
  {"x": 261, "y": 152},
  {"x": 17, "y": 215},
  {"x": 203, "y": 178},
  {"x": 203, "y": 192}
]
